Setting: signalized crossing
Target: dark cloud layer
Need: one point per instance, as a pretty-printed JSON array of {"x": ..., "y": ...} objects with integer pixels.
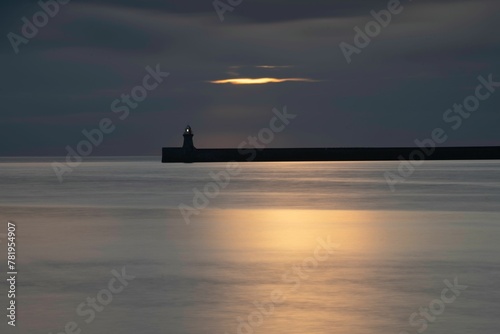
[{"x": 396, "y": 90}]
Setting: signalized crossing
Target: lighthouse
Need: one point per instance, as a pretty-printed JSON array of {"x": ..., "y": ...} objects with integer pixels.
[{"x": 188, "y": 139}]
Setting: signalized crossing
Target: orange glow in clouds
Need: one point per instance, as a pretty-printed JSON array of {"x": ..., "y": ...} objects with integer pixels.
[{"x": 258, "y": 81}]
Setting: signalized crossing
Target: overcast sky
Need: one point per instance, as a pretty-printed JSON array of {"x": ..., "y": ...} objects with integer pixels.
[{"x": 394, "y": 91}]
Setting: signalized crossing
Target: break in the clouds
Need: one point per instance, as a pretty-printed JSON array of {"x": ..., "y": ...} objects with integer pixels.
[
  {"x": 66, "y": 77},
  {"x": 273, "y": 66},
  {"x": 259, "y": 81}
]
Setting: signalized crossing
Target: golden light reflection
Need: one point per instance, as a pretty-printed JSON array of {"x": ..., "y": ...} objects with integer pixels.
[
  {"x": 259, "y": 81},
  {"x": 292, "y": 230},
  {"x": 273, "y": 250},
  {"x": 262, "y": 251}
]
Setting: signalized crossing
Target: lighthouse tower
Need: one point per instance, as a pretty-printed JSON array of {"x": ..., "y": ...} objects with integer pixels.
[{"x": 188, "y": 139}]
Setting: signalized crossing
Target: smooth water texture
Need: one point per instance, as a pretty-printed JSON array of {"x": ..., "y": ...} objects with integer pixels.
[{"x": 281, "y": 248}]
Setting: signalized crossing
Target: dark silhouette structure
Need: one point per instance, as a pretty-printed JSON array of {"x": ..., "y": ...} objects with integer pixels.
[
  {"x": 189, "y": 153},
  {"x": 188, "y": 139}
]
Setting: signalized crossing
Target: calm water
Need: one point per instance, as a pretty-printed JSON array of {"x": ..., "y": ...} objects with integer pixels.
[{"x": 257, "y": 237}]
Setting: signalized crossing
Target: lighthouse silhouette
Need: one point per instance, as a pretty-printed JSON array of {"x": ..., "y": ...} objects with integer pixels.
[
  {"x": 188, "y": 153},
  {"x": 188, "y": 139}
]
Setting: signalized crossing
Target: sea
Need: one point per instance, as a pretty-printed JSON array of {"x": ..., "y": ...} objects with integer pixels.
[{"x": 130, "y": 245}]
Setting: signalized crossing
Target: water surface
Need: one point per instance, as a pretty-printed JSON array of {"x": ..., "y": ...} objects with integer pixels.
[{"x": 393, "y": 249}]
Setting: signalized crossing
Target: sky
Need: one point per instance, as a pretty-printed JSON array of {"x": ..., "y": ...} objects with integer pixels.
[{"x": 225, "y": 77}]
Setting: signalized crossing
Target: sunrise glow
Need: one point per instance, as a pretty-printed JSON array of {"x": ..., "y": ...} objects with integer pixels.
[{"x": 258, "y": 81}]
